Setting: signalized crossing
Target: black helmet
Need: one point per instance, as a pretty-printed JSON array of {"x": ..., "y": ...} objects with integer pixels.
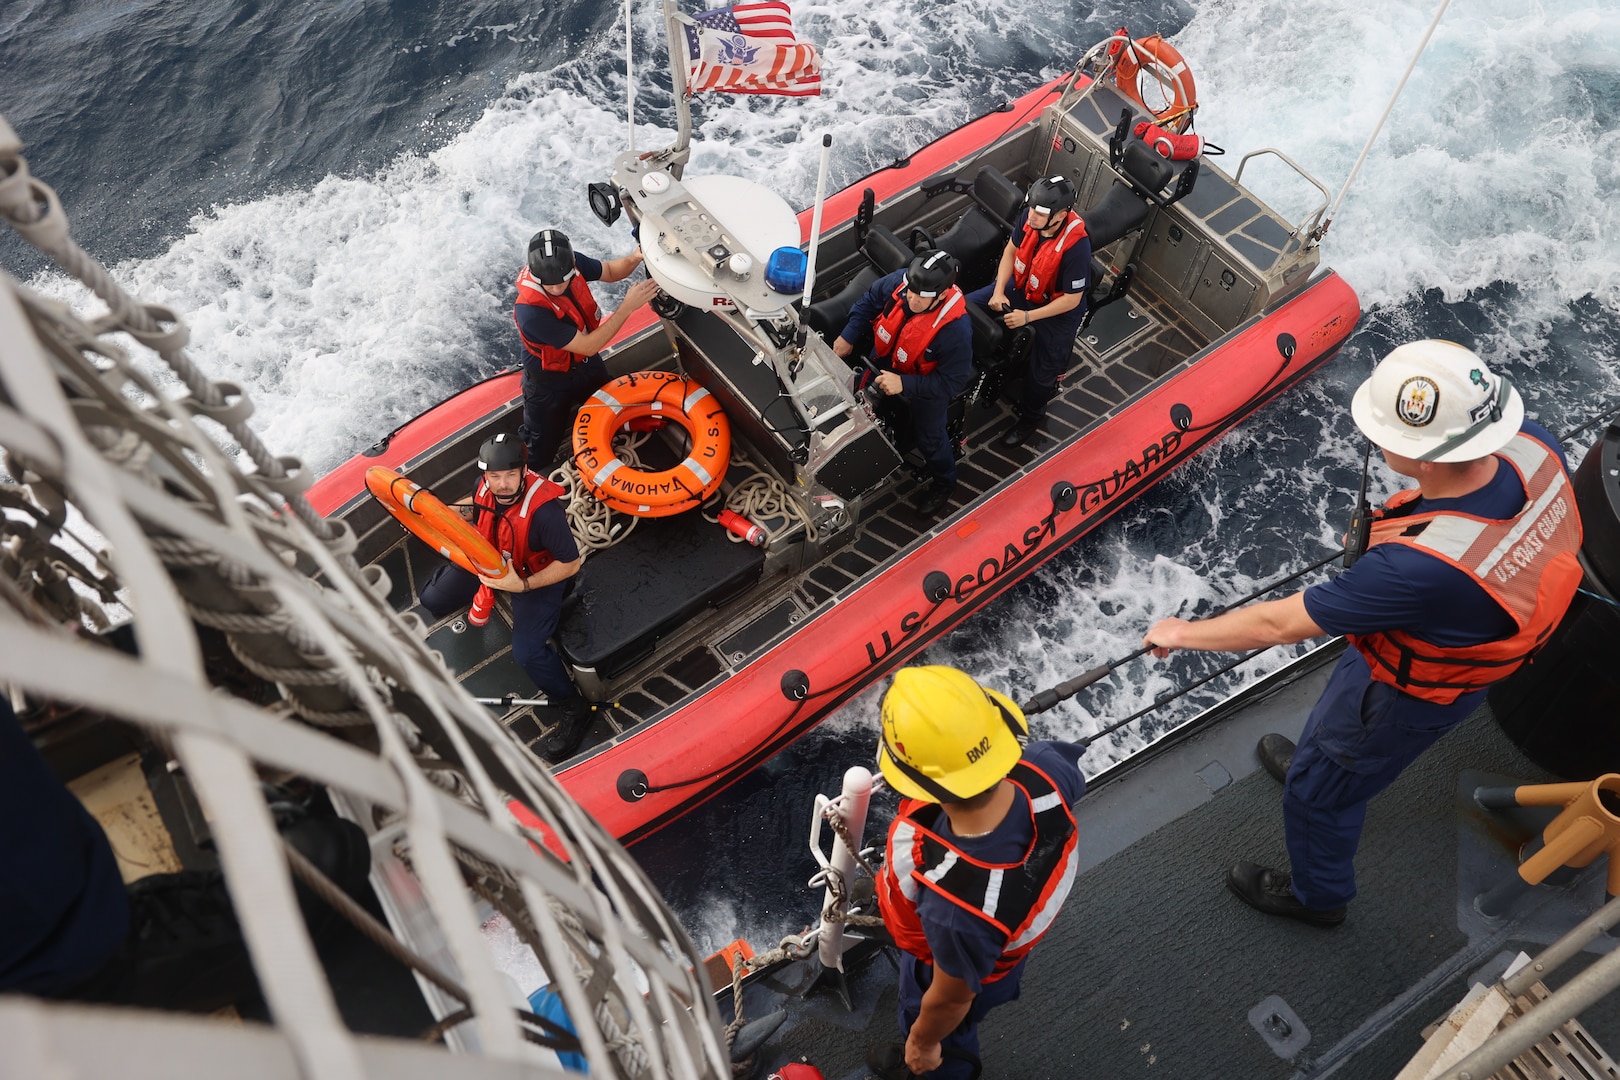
[
  {"x": 501, "y": 453},
  {"x": 931, "y": 273},
  {"x": 551, "y": 257},
  {"x": 1051, "y": 195}
]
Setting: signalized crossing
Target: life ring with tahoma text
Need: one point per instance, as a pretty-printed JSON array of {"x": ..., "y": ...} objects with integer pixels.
[
  {"x": 641, "y": 492},
  {"x": 1165, "y": 65},
  {"x": 435, "y": 524}
]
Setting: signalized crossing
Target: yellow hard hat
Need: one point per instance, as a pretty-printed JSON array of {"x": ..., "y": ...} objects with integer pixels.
[{"x": 944, "y": 737}]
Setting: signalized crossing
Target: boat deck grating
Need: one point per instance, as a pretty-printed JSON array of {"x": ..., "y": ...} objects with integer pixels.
[{"x": 1110, "y": 365}]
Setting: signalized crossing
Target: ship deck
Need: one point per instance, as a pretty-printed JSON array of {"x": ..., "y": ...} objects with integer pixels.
[{"x": 1154, "y": 969}]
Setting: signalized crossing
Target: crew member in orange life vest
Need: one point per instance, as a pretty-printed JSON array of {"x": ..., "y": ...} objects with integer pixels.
[
  {"x": 976, "y": 802},
  {"x": 519, "y": 511},
  {"x": 562, "y": 330},
  {"x": 1047, "y": 263},
  {"x": 922, "y": 344},
  {"x": 1463, "y": 579}
]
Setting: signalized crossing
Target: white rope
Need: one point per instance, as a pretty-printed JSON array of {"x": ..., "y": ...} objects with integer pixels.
[{"x": 1322, "y": 229}]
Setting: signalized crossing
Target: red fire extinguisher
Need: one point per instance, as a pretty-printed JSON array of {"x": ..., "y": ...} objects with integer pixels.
[
  {"x": 741, "y": 526},
  {"x": 796, "y": 1071}
]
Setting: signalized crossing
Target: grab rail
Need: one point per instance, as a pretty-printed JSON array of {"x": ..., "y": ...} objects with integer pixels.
[{"x": 1315, "y": 216}]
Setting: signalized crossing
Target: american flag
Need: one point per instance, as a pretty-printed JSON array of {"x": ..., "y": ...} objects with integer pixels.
[{"x": 750, "y": 49}]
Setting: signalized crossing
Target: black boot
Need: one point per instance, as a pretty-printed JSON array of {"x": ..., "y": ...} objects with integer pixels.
[
  {"x": 1272, "y": 892},
  {"x": 934, "y": 497},
  {"x": 1020, "y": 433},
  {"x": 1276, "y": 754},
  {"x": 576, "y": 717}
]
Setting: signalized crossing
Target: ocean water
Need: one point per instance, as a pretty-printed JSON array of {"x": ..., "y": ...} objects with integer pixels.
[{"x": 337, "y": 195}]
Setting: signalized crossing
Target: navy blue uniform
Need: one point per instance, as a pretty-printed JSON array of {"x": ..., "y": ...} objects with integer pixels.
[
  {"x": 965, "y": 946},
  {"x": 551, "y": 398},
  {"x": 534, "y": 613},
  {"x": 1053, "y": 346},
  {"x": 63, "y": 908},
  {"x": 927, "y": 397},
  {"x": 1362, "y": 733}
]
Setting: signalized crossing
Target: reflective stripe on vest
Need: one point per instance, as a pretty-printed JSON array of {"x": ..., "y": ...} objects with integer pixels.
[
  {"x": 576, "y": 306},
  {"x": 1526, "y": 563},
  {"x": 512, "y": 525},
  {"x": 1038, "y": 261},
  {"x": 1019, "y": 899},
  {"x": 915, "y": 332}
]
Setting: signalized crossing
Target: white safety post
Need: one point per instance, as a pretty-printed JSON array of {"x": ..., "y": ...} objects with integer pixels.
[
  {"x": 629, "y": 75},
  {"x": 815, "y": 235},
  {"x": 852, "y": 805},
  {"x": 675, "y": 35}
]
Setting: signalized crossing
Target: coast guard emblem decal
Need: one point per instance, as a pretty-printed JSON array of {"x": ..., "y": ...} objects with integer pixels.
[{"x": 1417, "y": 400}]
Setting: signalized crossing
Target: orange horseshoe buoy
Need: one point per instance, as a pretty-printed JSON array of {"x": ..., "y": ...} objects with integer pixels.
[
  {"x": 435, "y": 524},
  {"x": 643, "y": 493},
  {"x": 1159, "y": 59}
]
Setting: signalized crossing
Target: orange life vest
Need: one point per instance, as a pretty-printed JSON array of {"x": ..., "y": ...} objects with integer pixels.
[
  {"x": 576, "y": 306},
  {"x": 1526, "y": 563},
  {"x": 907, "y": 336},
  {"x": 1039, "y": 260},
  {"x": 508, "y": 529},
  {"x": 1019, "y": 899}
]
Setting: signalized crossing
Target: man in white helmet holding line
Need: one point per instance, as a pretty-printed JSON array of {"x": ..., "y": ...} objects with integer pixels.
[{"x": 1464, "y": 578}]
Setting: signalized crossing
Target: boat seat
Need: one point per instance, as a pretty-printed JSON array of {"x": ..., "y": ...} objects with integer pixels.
[
  {"x": 886, "y": 253},
  {"x": 1115, "y": 214},
  {"x": 1123, "y": 209},
  {"x": 666, "y": 573},
  {"x": 979, "y": 236}
]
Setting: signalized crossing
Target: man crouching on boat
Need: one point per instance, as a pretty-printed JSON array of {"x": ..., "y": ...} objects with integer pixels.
[
  {"x": 562, "y": 330},
  {"x": 1464, "y": 577},
  {"x": 517, "y": 510},
  {"x": 977, "y": 802},
  {"x": 922, "y": 346},
  {"x": 1048, "y": 264}
]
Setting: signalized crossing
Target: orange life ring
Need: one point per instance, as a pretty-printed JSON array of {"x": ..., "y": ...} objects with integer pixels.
[
  {"x": 435, "y": 524},
  {"x": 1159, "y": 59},
  {"x": 640, "y": 492}
]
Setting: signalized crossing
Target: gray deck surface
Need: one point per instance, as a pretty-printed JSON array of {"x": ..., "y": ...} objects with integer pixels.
[{"x": 1153, "y": 968}]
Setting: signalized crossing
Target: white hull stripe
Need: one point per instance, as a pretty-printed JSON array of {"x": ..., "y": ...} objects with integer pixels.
[
  {"x": 692, "y": 399},
  {"x": 992, "y": 893},
  {"x": 609, "y": 400},
  {"x": 699, "y": 471},
  {"x": 606, "y": 471}
]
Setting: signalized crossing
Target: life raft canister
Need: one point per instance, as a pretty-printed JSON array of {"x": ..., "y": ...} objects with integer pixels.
[
  {"x": 1165, "y": 65},
  {"x": 640, "y": 492},
  {"x": 435, "y": 524}
]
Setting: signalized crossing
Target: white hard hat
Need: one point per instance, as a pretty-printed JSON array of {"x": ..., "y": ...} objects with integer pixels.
[{"x": 1437, "y": 401}]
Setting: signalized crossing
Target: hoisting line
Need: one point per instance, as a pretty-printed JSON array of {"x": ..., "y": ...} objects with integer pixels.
[{"x": 1321, "y": 230}]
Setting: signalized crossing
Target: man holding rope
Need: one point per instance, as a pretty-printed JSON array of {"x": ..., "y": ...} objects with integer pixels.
[{"x": 1464, "y": 578}]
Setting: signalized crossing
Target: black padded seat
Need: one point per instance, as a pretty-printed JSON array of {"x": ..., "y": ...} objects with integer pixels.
[
  {"x": 887, "y": 253},
  {"x": 660, "y": 577},
  {"x": 1114, "y": 215},
  {"x": 827, "y": 317},
  {"x": 977, "y": 239},
  {"x": 1144, "y": 166},
  {"x": 988, "y": 333}
]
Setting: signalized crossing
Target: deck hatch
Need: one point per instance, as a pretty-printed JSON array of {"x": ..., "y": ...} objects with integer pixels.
[{"x": 759, "y": 633}]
